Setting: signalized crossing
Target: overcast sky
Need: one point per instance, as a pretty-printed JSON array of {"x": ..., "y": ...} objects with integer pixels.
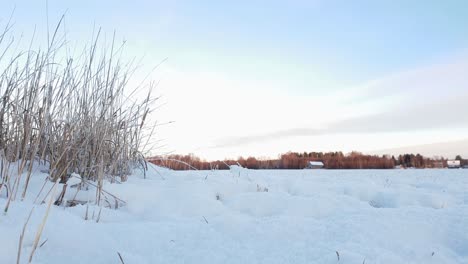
[{"x": 265, "y": 77}]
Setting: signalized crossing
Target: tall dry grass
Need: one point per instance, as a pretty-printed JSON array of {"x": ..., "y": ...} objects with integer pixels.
[{"x": 76, "y": 114}]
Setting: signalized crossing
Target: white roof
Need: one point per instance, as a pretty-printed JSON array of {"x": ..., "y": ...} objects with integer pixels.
[
  {"x": 453, "y": 162},
  {"x": 316, "y": 163}
]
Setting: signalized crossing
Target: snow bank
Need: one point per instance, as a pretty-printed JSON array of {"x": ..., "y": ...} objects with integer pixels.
[{"x": 305, "y": 216}]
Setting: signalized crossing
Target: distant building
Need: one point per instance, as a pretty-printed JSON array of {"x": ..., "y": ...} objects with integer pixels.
[
  {"x": 453, "y": 164},
  {"x": 438, "y": 164},
  {"x": 315, "y": 165}
]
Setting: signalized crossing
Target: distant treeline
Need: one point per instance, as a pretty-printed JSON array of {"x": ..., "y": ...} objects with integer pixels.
[{"x": 295, "y": 160}]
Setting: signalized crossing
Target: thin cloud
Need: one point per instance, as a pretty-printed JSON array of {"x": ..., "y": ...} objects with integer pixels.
[
  {"x": 431, "y": 82},
  {"x": 449, "y": 113},
  {"x": 449, "y": 148}
]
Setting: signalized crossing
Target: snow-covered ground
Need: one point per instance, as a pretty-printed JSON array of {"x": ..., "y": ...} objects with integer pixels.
[{"x": 246, "y": 216}]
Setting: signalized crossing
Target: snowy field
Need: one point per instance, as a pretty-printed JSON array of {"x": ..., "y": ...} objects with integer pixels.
[{"x": 246, "y": 216}]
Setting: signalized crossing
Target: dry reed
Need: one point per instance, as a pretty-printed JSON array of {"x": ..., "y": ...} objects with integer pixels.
[{"x": 75, "y": 114}]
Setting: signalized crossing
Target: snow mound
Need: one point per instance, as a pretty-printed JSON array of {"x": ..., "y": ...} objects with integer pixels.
[{"x": 251, "y": 216}]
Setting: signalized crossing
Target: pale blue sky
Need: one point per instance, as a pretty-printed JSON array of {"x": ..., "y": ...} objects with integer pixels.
[{"x": 356, "y": 57}]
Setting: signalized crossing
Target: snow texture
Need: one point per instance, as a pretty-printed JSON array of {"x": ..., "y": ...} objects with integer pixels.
[{"x": 250, "y": 216}]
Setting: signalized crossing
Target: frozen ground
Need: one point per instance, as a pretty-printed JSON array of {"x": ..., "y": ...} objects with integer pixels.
[{"x": 245, "y": 216}]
